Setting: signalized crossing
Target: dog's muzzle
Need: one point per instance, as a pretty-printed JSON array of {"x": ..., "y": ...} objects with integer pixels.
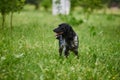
[{"x": 57, "y": 33}]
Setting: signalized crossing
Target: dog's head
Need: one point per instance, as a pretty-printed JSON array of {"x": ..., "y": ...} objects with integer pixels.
[{"x": 65, "y": 30}]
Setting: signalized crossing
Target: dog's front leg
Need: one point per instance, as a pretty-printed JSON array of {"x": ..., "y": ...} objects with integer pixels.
[{"x": 66, "y": 52}]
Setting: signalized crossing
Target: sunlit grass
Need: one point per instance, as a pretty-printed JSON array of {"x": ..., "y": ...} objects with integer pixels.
[{"x": 30, "y": 51}]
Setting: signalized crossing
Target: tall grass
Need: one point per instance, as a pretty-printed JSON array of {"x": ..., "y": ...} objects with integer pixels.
[{"x": 30, "y": 51}]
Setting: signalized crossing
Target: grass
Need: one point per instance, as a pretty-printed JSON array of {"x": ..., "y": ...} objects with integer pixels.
[{"x": 30, "y": 51}]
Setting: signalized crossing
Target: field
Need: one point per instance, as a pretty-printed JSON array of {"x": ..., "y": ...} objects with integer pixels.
[{"x": 30, "y": 50}]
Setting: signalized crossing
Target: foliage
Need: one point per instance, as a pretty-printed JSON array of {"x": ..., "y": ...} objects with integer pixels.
[
  {"x": 46, "y": 4},
  {"x": 7, "y": 6},
  {"x": 33, "y": 2},
  {"x": 71, "y": 19},
  {"x": 87, "y": 4},
  {"x": 113, "y": 3},
  {"x": 74, "y": 3},
  {"x": 90, "y": 5}
]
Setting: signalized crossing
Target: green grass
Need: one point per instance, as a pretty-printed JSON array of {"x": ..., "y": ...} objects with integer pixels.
[{"x": 30, "y": 51}]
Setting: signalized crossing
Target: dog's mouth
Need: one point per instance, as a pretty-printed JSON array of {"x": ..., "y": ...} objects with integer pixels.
[{"x": 58, "y": 34}]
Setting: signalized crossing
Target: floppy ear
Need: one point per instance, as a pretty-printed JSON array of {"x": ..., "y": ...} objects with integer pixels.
[
  {"x": 70, "y": 32},
  {"x": 63, "y": 26}
]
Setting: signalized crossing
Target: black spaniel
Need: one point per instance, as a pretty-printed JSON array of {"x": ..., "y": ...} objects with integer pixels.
[{"x": 68, "y": 39}]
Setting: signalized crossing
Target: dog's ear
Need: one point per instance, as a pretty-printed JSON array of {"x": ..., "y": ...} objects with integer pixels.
[
  {"x": 70, "y": 32},
  {"x": 63, "y": 26}
]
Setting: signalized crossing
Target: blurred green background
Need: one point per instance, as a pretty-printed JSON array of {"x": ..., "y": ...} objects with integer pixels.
[{"x": 29, "y": 50}]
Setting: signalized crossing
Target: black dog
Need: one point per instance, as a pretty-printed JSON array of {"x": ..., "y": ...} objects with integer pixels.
[{"x": 68, "y": 40}]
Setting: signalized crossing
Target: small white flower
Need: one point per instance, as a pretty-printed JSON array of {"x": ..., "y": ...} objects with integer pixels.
[
  {"x": 3, "y": 58},
  {"x": 18, "y": 55},
  {"x": 72, "y": 68}
]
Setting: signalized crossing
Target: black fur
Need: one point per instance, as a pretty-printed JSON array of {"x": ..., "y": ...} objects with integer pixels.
[{"x": 68, "y": 39}]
